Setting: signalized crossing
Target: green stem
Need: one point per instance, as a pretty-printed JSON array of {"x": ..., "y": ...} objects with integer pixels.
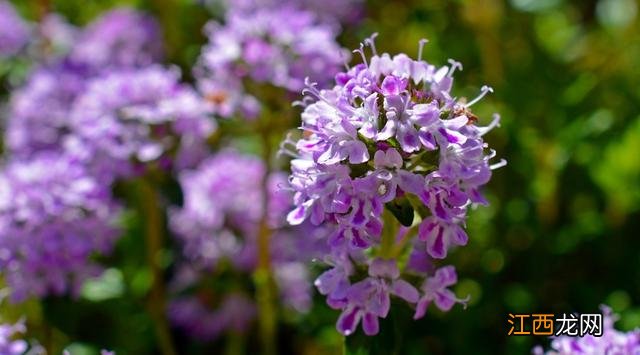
[
  {"x": 389, "y": 232},
  {"x": 156, "y": 301},
  {"x": 265, "y": 286}
]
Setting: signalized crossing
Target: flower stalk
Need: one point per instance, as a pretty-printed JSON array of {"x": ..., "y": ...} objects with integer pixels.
[{"x": 154, "y": 237}]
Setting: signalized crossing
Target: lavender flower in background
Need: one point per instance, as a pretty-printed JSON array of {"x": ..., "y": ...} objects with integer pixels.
[
  {"x": 131, "y": 117},
  {"x": 218, "y": 228},
  {"x": 612, "y": 341},
  {"x": 347, "y": 11},
  {"x": 53, "y": 218},
  {"x": 278, "y": 46},
  {"x": 9, "y": 344},
  {"x": 14, "y": 31},
  {"x": 119, "y": 38},
  {"x": 39, "y": 111},
  {"x": 390, "y": 136},
  {"x": 39, "y": 116}
]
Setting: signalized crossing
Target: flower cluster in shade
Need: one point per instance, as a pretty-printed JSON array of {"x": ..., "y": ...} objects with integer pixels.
[
  {"x": 277, "y": 46},
  {"x": 218, "y": 227},
  {"x": 39, "y": 111},
  {"x": 54, "y": 217},
  {"x": 390, "y": 136},
  {"x": 14, "y": 31},
  {"x": 612, "y": 341}
]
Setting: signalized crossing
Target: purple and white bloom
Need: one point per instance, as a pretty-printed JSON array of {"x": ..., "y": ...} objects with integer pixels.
[
  {"x": 279, "y": 47},
  {"x": 14, "y": 31},
  {"x": 119, "y": 38},
  {"x": 612, "y": 341},
  {"x": 390, "y": 136},
  {"x": 9, "y": 344},
  {"x": 132, "y": 117},
  {"x": 53, "y": 218}
]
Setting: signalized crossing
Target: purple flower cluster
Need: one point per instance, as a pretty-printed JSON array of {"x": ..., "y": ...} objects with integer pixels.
[
  {"x": 279, "y": 46},
  {"x": 40, "y": 111},
  {"x": 9, "y": 345},
  {"x": 344, "y": 10},
  {"x": 14, "y": 31},
  {"x": 388, "y": 136},
  {"x": 218, "y": 228},
  {"x": 612, "y": 341},
  {"x": 53, "y": 218},
  {"x": 131, "y": 117},
  {"x": 120, "y": 38}
]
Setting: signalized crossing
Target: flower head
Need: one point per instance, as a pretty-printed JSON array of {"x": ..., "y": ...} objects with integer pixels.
[
  {"x": 389, "y": 136},
  {"x": 53, "y": 218},
  {"x": 132, "y": 117}
]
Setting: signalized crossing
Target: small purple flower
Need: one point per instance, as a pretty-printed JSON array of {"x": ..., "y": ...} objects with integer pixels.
[
  {"x": 435, "y": 289},
  {"x": 369, "y": 299},
  {"x": 440, "y": 235}
]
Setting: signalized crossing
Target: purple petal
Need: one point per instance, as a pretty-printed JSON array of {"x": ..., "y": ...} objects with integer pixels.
[
  {"x": 357, "y": 152},
  {"x": 405, "y": 290},
  {"x": 436, "y": 244},
  {"x": 421, "y": 307},
  {"x": 370, "y": 324},
  {"x": 446, "y": 276},
  {"x": 348, "y": 321},
  {"x": 298, "y": 215},
  {"x": 445, "y": 299}
]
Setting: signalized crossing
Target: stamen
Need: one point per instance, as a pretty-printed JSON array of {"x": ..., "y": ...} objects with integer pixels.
[
  {"x": 371, "y": 42},
  {"x": 498, "y": 165},
  {"x": 454, "y": 65},
  {"x": 345, "y": 61},
  {"x": 485, "y": 89},
  {"x": 361, "y": 51},
  {"x": 421, "y": 44},
  {"x": 494, "y": 123}
]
